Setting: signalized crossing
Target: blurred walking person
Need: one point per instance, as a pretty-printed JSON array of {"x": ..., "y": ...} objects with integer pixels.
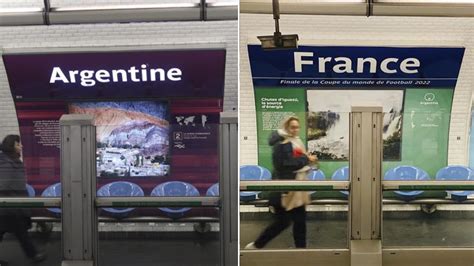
[
  {"x": 13, "y": 184},
  {"x": 290, "y": 162}
]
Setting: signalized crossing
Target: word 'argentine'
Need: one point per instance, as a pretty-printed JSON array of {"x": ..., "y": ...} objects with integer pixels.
[
  {"x": 89, "y": 78},
  {"x": 346, "y": 65}
]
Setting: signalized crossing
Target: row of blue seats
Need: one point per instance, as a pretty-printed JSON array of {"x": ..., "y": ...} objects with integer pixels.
[
  {"x": 402, "y": 172},
  {"x": 128, "y": 189}
]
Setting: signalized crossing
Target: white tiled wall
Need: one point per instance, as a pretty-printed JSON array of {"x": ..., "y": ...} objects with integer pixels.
[
  {"x": 164, "y": 33},
  {"x": 359, "y": 31}
]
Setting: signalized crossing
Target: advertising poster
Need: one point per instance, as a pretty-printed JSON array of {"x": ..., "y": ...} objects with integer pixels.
[
  {"x": 414, "y": 85},
  {"x": 426, "y": 119},
  {"x": 273, "y": 106},
  {"x": 156, "y": 113},
  {"x": 194, "y": 142},
  {"x": 132, "y": 137},
  {"x": 328, "y": 121}
]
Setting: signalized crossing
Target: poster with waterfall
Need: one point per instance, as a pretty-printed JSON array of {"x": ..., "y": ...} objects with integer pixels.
[{"x": 328, "y": 121}]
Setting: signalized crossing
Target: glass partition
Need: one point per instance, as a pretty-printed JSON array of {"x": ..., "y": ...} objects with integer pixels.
[
  {"x": 420, "y": 143},
  {"x": 431, "y": 149},
  {"x": 163, "y": 237},
  {"x": 324, "y": 134},
  {"x": 326, "y": 227},
  {"x": 167, "y": 150},
  {"x": 144, "y": 149},
  {"x": 40, "y": 244}
]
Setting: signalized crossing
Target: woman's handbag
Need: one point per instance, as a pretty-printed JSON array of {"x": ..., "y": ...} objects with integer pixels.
[{"x": 295, "y": 199}]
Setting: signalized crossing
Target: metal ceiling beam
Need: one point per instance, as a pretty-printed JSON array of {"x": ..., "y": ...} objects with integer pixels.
[
  {"x": 50, "y": 15},
  {"x": 221, "y": 11},
  {"x": 21, "y": 16},
  {"x": 347, "y": 7},
  {"x": 455, "y": 8},
  {"x": 123, "y": 14},
  {"x": 416, "y": 8}
]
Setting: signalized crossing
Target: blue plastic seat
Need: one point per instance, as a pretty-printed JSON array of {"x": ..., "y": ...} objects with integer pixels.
[
  {"x": 253, "y": 172},
  {"x": 341, "y": 174},
  {"x": 456, "y": 172},
  {"x": 51, "y": 192},
  {"x": 175, "y": 189},
  {"x": 31, "y": 191},
  {"x": 407, "y": 172},
  {"x": 316, "y": 175},
  {"x": 213, "y": 191},
  {"x": 120, "y": 189}
]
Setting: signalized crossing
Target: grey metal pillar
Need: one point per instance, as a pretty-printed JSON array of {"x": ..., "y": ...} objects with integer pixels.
[
  {"x": 228, "y": 188},
  {"x": 78, "y": 179},
  {"x": 365, "y": 206}
]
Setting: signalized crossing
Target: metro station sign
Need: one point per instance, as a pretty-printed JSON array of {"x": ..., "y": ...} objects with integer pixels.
[
  {"x": 356, "y": 66},
  {"x": 112, "y": 74},
  {"x": 89, "y": 78}
]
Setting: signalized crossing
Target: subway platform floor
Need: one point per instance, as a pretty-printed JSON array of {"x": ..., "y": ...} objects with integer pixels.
[
  {"x": 168, "y": 249},
  {"x": 408, "y": 229},
  {"x": 325, "y": 230}
]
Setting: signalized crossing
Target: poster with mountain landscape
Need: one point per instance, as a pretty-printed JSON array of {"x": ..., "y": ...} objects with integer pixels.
[
  {"x": 328, "y": 121},
  {"x": 132, "y": 137}
]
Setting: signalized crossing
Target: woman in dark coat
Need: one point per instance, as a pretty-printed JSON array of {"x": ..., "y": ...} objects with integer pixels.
[
  {"x": 290, "y": 162},
  {"x": 13, "y": 184}
]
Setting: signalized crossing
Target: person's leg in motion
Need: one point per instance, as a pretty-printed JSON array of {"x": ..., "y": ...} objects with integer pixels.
[
  {"x": 281, "y": 222},
  {"x": 2, "y": 262},
  {"x": 3, "y": 225},
  {"x": 20, "y": 230},
  {"x": 26, "y": 243},
  {"x": 298, "y": 216}
]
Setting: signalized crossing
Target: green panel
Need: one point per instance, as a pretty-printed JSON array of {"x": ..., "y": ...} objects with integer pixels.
[
  {"x": 425, "y": 131},
  {"x": 272, "y": 106}
]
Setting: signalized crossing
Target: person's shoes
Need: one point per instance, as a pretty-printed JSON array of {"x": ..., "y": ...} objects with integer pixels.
[
  {"x": 250, "y": 245},
  {"x": 39, "y": 257}
]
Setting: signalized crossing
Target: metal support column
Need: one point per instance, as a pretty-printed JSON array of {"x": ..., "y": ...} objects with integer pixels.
[
  {"x": 78, "y": 179},
  {"x": 228, "y": 188},
  {"x": 365, "y": 140}
]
